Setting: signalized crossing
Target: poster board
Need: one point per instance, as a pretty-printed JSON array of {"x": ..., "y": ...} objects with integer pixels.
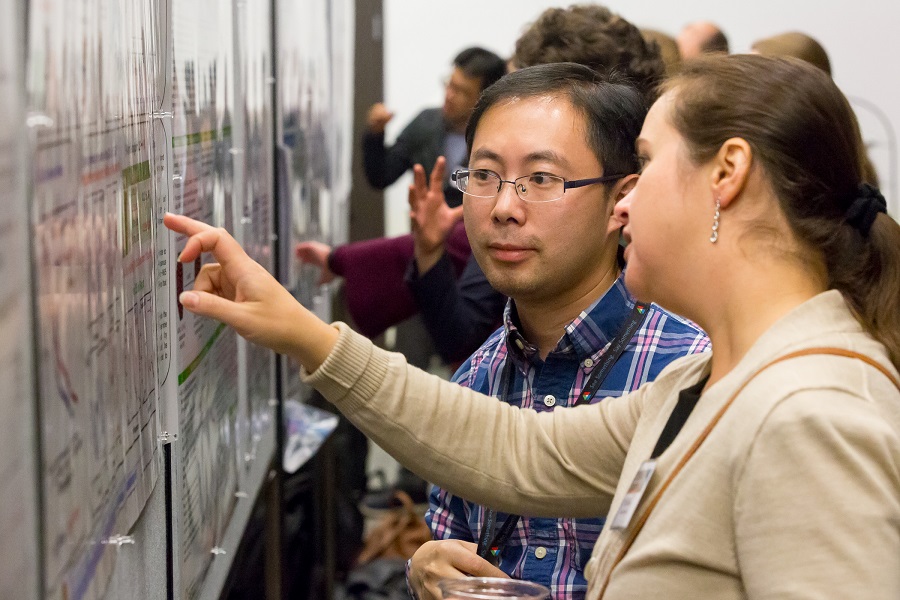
[
  {"x": 19, "y": 572},
  {"x": 156, "y": 429}
]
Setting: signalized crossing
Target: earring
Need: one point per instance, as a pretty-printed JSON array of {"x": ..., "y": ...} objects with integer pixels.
[{"x": 715, "y": 228}]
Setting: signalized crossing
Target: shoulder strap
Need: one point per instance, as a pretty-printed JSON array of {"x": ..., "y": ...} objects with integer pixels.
[{"x": 639, "y": 524}]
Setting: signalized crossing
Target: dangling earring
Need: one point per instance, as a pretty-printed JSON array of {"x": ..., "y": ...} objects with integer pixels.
[{"x": 715, "y": 229}]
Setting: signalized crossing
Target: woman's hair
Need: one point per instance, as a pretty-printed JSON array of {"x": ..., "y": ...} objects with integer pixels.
[
  {"x": 803, "y": 135},
  {"x": 799, "y": 45}
]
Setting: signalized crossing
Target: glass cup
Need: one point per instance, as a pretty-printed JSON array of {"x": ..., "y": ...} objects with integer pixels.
[{"x": 490, "y": 588}]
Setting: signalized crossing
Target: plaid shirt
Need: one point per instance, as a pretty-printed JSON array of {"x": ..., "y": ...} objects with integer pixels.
[{"x": 554, "y": 552}]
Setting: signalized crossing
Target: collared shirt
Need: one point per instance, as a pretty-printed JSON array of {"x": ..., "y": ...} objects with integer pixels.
[{"x": 554, "y": 552}]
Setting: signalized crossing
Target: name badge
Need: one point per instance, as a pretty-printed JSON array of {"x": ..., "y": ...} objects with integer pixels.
[{"x": 634, "y": 495}]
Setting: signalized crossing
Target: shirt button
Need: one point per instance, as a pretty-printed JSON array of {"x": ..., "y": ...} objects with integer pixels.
[
  {"x": 549, "y": 400},
  {"x": 588, "y": 363},
  {"x": 540, "y": 552}
]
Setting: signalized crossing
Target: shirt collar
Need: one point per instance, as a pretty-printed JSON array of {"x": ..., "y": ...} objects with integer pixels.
[{"x": 586, "y": 335}]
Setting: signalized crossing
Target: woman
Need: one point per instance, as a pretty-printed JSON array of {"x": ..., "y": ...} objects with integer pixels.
[{"x": 729, "y": 476}]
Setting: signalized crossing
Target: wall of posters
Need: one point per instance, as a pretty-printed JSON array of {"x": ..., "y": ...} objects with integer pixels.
[{"x": 117, "y": 112}]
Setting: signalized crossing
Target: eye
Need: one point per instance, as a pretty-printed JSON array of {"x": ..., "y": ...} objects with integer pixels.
[
  {"x": 642, "y": 161},
  {"x": 481, "y": 175},
  {"x": 542, "y": 179}
]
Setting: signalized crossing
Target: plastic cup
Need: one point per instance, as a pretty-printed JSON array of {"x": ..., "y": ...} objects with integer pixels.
[{"x": 490, "y": 588}]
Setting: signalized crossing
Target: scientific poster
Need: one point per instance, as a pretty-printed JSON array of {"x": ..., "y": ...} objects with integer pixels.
[
  {"x": 206, "y": 351},
  {"x": 93, "y": 83},
  {"x": 18, "y": 469}
]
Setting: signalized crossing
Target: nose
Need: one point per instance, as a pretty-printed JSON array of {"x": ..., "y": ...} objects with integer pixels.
[
  {"x": 622, "y": 209},
  {"x": 508, "y": 207}
]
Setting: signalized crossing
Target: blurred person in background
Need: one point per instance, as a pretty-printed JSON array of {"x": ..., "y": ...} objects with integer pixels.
[{"x": 701, "y": 37}]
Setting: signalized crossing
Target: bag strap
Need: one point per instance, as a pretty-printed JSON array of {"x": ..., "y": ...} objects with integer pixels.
[{"x": 639, "y": 525}]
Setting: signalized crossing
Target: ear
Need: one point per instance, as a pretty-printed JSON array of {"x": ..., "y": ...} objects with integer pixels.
[
  {"x": 619, "y": 213},
  {"x": 731, "y": 170}
]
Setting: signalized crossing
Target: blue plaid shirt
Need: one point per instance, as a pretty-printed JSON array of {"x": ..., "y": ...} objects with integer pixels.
[{"x": 554, "y": 552}]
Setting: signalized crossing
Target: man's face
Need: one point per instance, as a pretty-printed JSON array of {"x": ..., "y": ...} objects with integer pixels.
[
  {"x": 460, "y": 95},
  {"x": 550, "y": 252}
]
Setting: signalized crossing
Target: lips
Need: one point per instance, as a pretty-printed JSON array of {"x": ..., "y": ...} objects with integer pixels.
[{"x": 509, "y": 252}]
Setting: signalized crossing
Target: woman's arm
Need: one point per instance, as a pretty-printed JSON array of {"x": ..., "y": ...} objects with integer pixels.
[{"x": 565, "y": 463}]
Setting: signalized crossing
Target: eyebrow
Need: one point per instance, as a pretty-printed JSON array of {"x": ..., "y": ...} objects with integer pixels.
[
  {"x": 485, "y": 154},
  {"x": 539, "y": 155}
]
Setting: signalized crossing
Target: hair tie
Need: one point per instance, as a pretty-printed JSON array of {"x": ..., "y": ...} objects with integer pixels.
[{"x": 865, "y": 208}]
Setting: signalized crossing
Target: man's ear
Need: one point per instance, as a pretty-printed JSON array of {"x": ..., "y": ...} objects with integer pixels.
[
  {"x": 619, "y": 218},
  {"x": 626, "y": 185},
  {"x": 731, "y": 170}
]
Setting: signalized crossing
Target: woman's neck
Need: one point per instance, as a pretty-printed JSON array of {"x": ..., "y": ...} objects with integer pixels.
[{"x": 756, "y": 298}]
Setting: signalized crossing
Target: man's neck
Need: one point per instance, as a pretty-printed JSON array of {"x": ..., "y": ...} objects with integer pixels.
[{"x": 544, "y": 322}]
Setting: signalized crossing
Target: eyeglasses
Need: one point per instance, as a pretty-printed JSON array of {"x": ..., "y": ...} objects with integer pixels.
[{"x": 537, "y": 187}]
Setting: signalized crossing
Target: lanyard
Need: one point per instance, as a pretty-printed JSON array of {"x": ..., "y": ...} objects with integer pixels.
[{"x": 489, "y": 545}]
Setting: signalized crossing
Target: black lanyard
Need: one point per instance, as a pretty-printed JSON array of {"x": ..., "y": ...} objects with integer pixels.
[{"x": 489, "y": 545}]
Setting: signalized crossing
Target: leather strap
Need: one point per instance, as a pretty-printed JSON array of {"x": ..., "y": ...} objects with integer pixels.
[{"x": 639, "y": 525}]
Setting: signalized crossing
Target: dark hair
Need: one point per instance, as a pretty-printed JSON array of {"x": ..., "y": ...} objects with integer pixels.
[
  {"x": 481, "y": 63},
  {"x": 802, "y": 131},
  {"x": 613, "y": 111},
  {"x": 716, "y": 43},
  {"x": 595, "y": 37}
]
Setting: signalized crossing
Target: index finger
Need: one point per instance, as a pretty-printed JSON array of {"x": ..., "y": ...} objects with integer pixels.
[{"x": 204, "y": 238}]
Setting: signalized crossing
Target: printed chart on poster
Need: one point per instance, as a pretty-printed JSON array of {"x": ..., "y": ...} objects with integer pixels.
[
  {"x": 18, "y": 470},
  {"x": 93, "y": 81}
]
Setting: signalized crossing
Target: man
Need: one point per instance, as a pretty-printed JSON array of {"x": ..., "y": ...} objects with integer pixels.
[
  {"x": 552, "y": 151},
  {"x": 456, "y": 302},
  {"x": 701, "y": 37},
  {"x": 459, "y": 311},
  {"x": 435, "y": 131}
]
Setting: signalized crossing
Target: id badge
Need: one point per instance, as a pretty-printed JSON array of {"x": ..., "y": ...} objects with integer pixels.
[{"x": 633, "y": 497}]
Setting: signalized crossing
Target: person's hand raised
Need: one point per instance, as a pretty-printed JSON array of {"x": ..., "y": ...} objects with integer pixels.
[
  {"x": 446, "y": 559},
  {"x": 241, "y": 293},
  {"x": 378, "y": 117},
  {"x": 432, "y": 219},
  {"x": 316, "y": 254}
]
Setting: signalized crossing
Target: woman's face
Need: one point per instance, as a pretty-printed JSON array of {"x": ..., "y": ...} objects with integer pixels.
[{"x": 668, "y": 215}]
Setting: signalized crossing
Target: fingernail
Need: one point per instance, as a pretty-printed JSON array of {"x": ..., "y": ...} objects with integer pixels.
[{"x": 189, "y": 299}]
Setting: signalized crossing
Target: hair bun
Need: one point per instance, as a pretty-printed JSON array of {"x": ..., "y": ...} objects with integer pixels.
[{"x": 865, "y": 208}]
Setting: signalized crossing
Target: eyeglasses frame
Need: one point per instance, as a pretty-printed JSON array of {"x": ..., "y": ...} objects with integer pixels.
[{"x": 567, "y": 185}]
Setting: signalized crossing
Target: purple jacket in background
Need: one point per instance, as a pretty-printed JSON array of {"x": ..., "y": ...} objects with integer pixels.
[{"x": 374, "y": 277}]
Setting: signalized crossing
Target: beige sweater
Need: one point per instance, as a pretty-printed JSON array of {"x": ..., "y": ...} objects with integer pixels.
[{"x": 795, "y": 494}]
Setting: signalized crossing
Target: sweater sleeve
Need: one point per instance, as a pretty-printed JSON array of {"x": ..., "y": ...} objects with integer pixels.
[
  {"x": 563, "y": 463},
  {"x": 814, "y": 501}
]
